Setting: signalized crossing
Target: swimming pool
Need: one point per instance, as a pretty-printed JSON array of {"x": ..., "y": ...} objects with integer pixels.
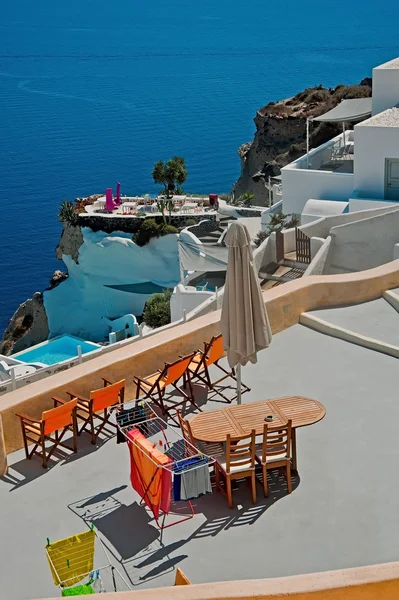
[{"x": 64, "y": 347}]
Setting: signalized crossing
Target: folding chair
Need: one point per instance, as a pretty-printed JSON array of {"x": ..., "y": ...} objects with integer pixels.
[
  {"x": 274, "y": 453},
  {"x": 60, "y": 418},
  {"x": 97, "y": 407},
  {"x": 155, "y": 385},
  {"x": 202, "y": 360}
]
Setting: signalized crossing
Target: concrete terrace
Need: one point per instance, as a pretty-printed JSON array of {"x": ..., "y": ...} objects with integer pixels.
[{"x": 342, "y": 512}]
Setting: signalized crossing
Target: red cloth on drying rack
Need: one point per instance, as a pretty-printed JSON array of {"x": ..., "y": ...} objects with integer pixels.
[{"x": 149, "y": 474}]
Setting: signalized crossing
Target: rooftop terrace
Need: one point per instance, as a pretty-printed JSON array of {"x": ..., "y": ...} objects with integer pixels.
[{"x": 342, "y": 512}]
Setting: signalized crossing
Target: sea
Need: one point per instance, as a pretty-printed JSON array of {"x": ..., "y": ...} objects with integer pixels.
[{"x": 94, "y": 92}]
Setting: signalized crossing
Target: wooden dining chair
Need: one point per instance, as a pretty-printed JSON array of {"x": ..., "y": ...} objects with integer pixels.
[
  {"x": 97, "y": 407},
  {"x": 57, "y": 421},
  {"x": 209, "y": 448},
  {"x": 211, "y": 355},
  {"x": 154, "y": 386},
  {"x": 237, "y": 463},
  {"x": 275, "y": 453}
]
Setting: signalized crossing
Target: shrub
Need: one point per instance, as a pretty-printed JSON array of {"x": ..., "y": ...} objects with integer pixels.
[
  {"x": 294, "y": 149},
  {"x": 261, "y": 236},
  {"x": 157, "y": 310},
  {"x": 352, "y": 91},
  {"x": 318, "y": 95},
  {"x": 151, "y": 229},
  {"x": 68, "y": 214},
  {"x": 190, "y": 222}
]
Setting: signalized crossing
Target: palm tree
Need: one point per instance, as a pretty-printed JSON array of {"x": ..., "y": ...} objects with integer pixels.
[{"x": 170, "y": 174}]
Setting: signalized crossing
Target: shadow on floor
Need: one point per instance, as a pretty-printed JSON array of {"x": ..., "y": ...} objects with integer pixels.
[
  {"x": 26, "y": 470},
  {"x": 130, "y": 534}
]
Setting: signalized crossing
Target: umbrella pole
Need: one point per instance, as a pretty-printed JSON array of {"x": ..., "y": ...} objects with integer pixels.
[{"x": 238, "y": 375}]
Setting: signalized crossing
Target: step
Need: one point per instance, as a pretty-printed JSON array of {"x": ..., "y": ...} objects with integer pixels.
[
  {"x": 375, "y": 319},
  {"x": 322, "y": 326}
]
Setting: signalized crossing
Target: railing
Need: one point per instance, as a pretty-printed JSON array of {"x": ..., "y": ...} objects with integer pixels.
[{"x": 302, "y": 243}]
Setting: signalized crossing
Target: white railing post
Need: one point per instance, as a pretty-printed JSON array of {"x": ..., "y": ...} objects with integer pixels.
[
  {"x": 112, "y": 337},
  {"x": 13, "y": 378},
  {"x": 184, "y": 315},
  {"x": 80, "y": 359},
  {"x": 217, "y": 297},
  {"x": 141, "y": 326}
]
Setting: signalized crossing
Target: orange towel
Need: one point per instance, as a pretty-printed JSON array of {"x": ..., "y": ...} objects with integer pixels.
[{"x": 148, "y": 478}]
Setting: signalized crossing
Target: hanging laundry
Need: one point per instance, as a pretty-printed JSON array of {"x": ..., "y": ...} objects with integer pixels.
[
  {"x": 131, "y": 416},
  {"x": 150, "y": 472},
  {"x": 191, "y": 478},
  {"x": 195, "y": 482}
]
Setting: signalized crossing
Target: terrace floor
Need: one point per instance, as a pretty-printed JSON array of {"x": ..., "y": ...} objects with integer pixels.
[{"x": 342, "y": 512}]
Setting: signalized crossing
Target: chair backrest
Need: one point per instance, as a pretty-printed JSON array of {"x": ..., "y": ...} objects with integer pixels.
[
  {"x": 276, "y": 442},
  {"x": 181, "y": 578},
  {"x": 240, "y": 452},
  {"x": 174, "y": 371},
  {"x": 59, "y": 417},
  {"x": 185, "y": 428},
  {"x": 214, "y": 350},
  {"x": 108, "y": 395}
]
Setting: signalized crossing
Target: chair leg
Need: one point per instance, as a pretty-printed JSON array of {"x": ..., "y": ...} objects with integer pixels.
[
  {"x": 253, "y": 486},
  {"x": 93, "y": 434},
  {"x": 75, "y": 434},
  {"x": 25, "y": 442},
  {"x": 265, "y": 486},
  {"x": 288, "y": 474},
  {"x": 44, "y": 457},
  {"x": 293, "y": 446},
  {"x": 229, "y": 492}
]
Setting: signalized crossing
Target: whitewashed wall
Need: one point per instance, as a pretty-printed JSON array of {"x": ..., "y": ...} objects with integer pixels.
[
  {"x": 373, "y": 145},
  {"x": 385, "y": 89}
]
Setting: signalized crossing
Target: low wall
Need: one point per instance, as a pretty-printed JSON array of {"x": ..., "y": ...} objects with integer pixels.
[
  {"x": 365, "y": 583},
  {"x": 284, "y": 305},
  {"x": 131, "y": 224}
]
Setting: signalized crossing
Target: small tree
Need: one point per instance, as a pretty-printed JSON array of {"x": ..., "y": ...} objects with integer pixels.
[
  {"x": 68, "y": 214},
  {"x": 161, "y": 205},
  {"x": 157, "y": 310},
  {"x": 171, "y": 174}
]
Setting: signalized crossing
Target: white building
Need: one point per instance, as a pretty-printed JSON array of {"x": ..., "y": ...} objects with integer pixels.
[{"x": 359, "y": 168}]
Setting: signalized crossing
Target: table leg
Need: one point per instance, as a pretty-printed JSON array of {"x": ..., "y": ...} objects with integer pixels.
[{"x": 293, "y": 447}]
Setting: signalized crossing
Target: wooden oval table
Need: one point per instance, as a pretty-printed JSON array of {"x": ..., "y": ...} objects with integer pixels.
[{"x": 239, "y": 420}]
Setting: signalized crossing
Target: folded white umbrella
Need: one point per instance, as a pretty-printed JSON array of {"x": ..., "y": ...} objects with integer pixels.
[{"x": 244, "y": 322}]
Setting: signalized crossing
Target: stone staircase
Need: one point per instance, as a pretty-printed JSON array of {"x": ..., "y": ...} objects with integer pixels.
[{"x": 212, "y": 237}]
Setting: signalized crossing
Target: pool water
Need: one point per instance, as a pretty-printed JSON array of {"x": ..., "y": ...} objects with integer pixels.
[{"x": 54, "y": 351}]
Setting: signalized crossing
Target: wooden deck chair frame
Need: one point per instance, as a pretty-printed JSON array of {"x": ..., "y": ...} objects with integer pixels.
[
  {"x": 203, "y": 359},
  {"x": 155, "y": 385},
  {"x": 61, "y": 418},
  {"x": 239, "y": 452},
  {"x": 276, "y": 442},
  {"x": 97, "y": 407}
]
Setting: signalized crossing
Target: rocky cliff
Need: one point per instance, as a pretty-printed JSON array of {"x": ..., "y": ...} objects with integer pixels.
[{"x": 280, "y": 134}]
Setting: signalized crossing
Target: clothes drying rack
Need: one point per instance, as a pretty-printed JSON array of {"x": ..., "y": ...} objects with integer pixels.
[
  {"x": 73, "y": 559},
  {"x": 167, "y": 439}
]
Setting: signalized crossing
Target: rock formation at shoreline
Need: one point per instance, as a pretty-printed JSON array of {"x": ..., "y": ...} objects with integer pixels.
[{"x": 280, "y": 134}]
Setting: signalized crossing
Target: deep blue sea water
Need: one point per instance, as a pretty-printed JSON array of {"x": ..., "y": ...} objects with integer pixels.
[{"x": 94, "y": 92}]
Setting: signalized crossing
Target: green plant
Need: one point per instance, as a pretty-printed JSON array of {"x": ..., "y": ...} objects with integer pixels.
[
  {"x": 190, "y": 222},
  {"x": 157, "y": 310},
  {"x": 294, "y": 149},
  {"x": 68, "y": 214},
  {"x": 151, "y": 229},
  {"x": 245, "y": 200},
  {"x": 171, "y": 174},
  {"x": 261, "y": 236}
]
